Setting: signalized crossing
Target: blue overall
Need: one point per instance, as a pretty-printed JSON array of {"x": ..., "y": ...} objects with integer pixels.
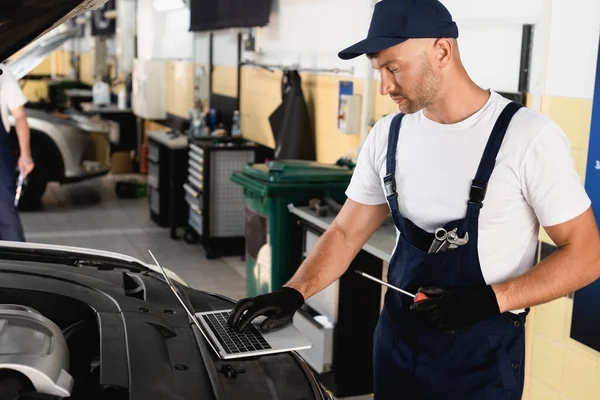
[
  {"x": 411, "y": 359},
  {"x": 10, "y": 223}
]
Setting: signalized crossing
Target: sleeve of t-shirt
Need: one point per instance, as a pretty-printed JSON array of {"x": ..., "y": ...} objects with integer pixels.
[
  {"x": 365, "y": 186},
  {"x": 552, "y": 185},
  {"x": 12, "y": 95}
]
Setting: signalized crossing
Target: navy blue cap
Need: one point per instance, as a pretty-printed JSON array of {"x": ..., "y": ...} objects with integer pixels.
[{"x": 395, "y": 21}]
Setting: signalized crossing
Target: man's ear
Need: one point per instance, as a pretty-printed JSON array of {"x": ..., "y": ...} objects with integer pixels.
[{"x": 443, "y": 50}]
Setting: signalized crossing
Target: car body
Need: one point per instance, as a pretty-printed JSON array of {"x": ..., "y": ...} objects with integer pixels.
[
  {"x": 126, "y": 335},
  {"x": 66, "y": 145},
  {"x": 65, "y": 149}
]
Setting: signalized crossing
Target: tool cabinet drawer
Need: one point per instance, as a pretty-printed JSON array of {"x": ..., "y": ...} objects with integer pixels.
[
  {"x": 194, "y": 201},
  {"x": 196, "y": 158},
  {"x": 192, "y": 195},
  {"x": 192, "y": 173},
  {"x": 153, "y": 175},
  {"x": 196, "y": 184},
  {"x": 195, "y": 220},
  {"x": 197, "y": 150},
  {"x": 153, "y": 152},
  {"x": 326, "y": 301},
  {"x": 155, "y": 201},
  {"x": 199, "y": 168},
  {"x": 319, "y": 331}
]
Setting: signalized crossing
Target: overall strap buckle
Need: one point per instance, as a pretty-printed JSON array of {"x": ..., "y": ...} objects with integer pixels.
[
  {"x": 478, "y": 191},
  {"x": 390, "y": 186}
]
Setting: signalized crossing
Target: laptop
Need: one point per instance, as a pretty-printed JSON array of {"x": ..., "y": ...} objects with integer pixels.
[{"x": 229, "y": 344}]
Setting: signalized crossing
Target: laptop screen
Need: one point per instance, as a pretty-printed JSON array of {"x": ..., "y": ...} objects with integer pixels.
[{"x": 188, "y": 307}]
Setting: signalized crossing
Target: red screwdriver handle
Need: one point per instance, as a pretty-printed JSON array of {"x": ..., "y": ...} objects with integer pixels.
[{"x": 420, "y": 297}]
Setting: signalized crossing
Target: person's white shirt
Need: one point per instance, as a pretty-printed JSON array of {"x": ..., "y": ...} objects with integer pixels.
[
  {"x": 11, "y": 95},
  {"x": 535, "y": 180}
]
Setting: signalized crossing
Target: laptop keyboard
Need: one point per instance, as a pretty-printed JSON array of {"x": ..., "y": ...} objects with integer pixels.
[{"x": 233, "y": 342}]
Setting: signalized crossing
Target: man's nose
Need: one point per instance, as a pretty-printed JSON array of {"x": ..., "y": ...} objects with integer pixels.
[{"x": 387, "y": 85}]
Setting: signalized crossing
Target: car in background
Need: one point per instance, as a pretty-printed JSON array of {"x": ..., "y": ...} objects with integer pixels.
[{"x": 66, "y": 146}]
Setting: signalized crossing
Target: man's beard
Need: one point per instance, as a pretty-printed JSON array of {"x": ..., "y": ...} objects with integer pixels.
[{"x": 426, "y": 89}]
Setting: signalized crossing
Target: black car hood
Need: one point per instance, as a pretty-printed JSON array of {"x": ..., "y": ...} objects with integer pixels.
[
  {"x": 23, "y": 21},
  {"x": 145, "y": 343}
]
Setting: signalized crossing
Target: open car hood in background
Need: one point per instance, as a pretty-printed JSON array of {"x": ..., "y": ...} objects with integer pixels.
[
  {"x": 34, "y": 56},
  {"x": 23, "y": 21}
]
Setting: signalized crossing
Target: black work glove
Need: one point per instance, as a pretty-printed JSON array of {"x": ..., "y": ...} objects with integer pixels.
[
  {"x": 454, "y": 312},
  {"x": 279, "y": 307}
]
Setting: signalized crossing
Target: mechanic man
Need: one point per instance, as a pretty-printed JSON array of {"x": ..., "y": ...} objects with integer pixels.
[
  {"x": 12, "y": 99},
  {"x": 455, "y": 157}
]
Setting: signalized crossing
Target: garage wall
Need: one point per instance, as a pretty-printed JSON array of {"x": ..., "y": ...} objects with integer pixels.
[{"x": 490, "y": 42}]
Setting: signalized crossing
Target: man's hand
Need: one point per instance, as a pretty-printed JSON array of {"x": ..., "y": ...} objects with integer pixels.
[
  {"x": 279, "y": 306},
  {"x": 453, "y": 312},
  {"x": 26, "y": 164}
]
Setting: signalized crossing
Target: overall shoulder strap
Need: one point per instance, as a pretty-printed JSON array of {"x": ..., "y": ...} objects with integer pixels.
[
  {"x": 390, "y": 179},
  {"x": 488, "y": 160}
]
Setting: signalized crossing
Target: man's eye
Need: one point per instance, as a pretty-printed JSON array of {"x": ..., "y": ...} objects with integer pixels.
[{"x": 393, "y": 70}]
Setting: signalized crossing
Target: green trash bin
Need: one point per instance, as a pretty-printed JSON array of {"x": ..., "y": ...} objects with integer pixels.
[{"x": 272, "y": 243}]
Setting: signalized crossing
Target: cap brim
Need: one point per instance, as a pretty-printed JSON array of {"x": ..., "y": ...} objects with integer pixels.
[{"x": 369, "y": 45}]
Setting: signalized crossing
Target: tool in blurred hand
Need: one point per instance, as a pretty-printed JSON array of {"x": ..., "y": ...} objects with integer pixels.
[
  {"x": 418, "y": 297},
  {"x": 19, "y": 188}
]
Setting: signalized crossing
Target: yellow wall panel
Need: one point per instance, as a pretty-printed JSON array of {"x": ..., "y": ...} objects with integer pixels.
[
  {"x": 180, "y": 88},
  {"x": 261, "y": 95},
  {"x": 154, "y": 126},
  {"x": 225, "y": 80},
  {"x": 35, "y": 91},
  {"x": 545, "y": 238},
  {"x": 541, "y": 391},
  {"x": 581, "y": 377},
  {"x": 573, "y": 115},
  {"x": 551, "y": 318},
  {"x": 63, "y": 65},
  {"x": 322, "y": 93},
  {"x": 547, "y": 361},
  {"x": 528, "y": 100},
  {"x": 87, "y": 68}
]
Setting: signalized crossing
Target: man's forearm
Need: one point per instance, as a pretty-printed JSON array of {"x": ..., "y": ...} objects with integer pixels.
[
  {"x": 564, "y": 272},
  {"x": 328, "y": 261},
  {"x": 24, "y": 135}
]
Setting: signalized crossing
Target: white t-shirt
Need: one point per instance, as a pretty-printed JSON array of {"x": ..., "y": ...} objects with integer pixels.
[
  {"x": 534, "y": 181},
  {"x": 11, "y": 95}
]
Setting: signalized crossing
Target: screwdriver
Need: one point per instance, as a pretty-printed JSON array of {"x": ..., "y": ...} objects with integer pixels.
[
  {"x": 418, "y": 297},
  {"x": 19, "y": 188}
]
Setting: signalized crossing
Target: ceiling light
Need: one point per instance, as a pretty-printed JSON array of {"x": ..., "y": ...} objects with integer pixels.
[{"x": 168, "y": 5}]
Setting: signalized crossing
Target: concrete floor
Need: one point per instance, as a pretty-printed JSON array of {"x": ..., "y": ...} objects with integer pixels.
[{"x": 90, "y": 215}]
